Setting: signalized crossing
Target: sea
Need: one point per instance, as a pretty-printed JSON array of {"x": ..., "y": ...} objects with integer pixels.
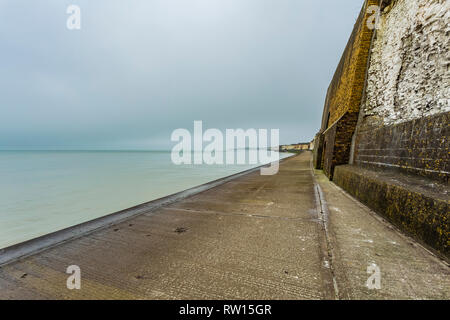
[{"x": 46, "y": 191}]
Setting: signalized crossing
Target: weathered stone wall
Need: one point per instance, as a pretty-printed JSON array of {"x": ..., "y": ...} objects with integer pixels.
[
  {"x": 337, "y": 142},
  {"x": 317, "y": 151},
  {"x": 404, "y": 123},
  {"x": 345, "y": 92},
  {"x": 409, "y": 202},
  {"x": 419, "y": 147},
  {"x": 400, "y": 147},
  {"x": 344, "y": 95},
  {"x": 409, "y": 74}
]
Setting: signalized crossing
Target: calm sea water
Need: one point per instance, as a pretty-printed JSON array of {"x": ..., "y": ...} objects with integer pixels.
[{"x": 45, "y": 191}]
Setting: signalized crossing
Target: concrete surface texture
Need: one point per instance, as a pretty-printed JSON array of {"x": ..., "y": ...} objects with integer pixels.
[{"x": 294, "y": 235}]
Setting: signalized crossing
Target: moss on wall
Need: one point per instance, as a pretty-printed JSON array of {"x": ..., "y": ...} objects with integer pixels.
[
  {"x": 344, "y": 96},
  {"x": 421, "y": 214},
  {"x": 346, "y": 89}
]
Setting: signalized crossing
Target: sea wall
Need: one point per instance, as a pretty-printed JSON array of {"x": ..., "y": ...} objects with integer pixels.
[
  {"x": 404, "y": 121},
  {"x": 418, "y": 209},
  {"x": 344, "y": 96},
  {"x": 385, "y": 129},
  {"x": 409, "y": 73}
]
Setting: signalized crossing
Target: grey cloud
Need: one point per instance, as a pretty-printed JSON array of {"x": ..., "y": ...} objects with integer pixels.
[{"x": 139, "y": 69}]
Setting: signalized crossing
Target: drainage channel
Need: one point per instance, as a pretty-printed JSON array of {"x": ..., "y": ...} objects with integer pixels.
[{"x": 323, "y": 213}]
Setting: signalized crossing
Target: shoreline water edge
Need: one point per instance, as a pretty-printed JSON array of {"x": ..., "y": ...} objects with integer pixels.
[{"x": 32, "y": 246}]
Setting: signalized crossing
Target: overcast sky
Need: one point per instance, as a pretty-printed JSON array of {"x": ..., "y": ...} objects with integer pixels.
[{"x": 138, "y": 69}]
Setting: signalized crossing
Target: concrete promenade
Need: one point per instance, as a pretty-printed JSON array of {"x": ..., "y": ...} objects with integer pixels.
[{"x": 294, "y": 235}]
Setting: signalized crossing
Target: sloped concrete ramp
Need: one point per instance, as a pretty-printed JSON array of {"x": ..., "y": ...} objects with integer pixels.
[{"x": 293, "y": 235}]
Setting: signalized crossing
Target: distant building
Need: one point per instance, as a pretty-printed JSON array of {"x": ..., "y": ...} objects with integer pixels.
[{"x": 296, "y": 147}]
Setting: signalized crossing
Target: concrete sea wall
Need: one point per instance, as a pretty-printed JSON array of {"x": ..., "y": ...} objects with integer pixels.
[
  {"x": 385, "y": 129},
  {"x": 344, "y": 96},
  {"x": 404, "y": 121}
]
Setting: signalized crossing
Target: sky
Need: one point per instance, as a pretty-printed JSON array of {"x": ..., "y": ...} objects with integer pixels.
[{"x": 139, "y": 69}]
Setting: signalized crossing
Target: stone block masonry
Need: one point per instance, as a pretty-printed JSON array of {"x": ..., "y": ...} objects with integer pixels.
[
  {"x": 404, "y": 123},
  {"x": 419, "y": 209},
  {"x": 385, "y": 128},
  {"x": 344, "y": 95},
  {"x": 419, "y": 147},
  {"x": 337, "y": 144}
]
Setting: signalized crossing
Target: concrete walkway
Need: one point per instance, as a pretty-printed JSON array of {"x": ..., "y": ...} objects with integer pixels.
[{"x": 294, "y": 235}]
